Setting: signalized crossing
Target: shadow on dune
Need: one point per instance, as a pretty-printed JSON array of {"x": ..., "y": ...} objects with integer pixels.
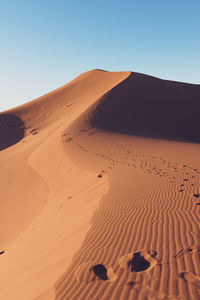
[
  {"x": 146, "y": 106},
  {"x": 11, "y": 130}
]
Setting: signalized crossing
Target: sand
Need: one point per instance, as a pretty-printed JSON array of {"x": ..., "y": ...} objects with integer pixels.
[{"x": 100, "y": 191}]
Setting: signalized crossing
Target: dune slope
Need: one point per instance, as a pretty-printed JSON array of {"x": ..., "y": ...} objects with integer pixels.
[
  {"x": 147, "y": 106},
  {"x": 100, "y": 181}
]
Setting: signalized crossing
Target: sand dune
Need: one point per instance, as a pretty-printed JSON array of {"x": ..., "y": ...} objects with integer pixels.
[{"x": 100, "y": 191}]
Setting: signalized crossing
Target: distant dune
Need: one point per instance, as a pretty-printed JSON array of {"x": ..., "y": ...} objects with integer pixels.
[{"x": 100, "y": 191}]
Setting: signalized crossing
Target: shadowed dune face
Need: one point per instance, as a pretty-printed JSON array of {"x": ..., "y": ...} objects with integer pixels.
[
  {"x": 146, "y": 106},
  {"x": 11, "y": 130}
]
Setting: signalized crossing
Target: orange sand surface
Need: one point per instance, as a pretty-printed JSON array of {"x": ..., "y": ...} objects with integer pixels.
[{"x": 100, "y": 191}]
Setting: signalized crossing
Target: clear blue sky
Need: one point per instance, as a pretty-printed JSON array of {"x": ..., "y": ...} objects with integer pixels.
[{"x": 44, "y": 43}]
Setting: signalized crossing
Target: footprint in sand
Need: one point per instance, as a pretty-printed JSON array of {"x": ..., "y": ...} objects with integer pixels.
[
  {"x": 69, "y": 140},
  {"x": 100, "y": 271},
  {"x": 186, "y": 251},
  {"x": 194, "y": 279},
  {"x": 141, "y": 288},
  {"x": 140, "y": 261},
  {"x": 94, "y": 271},
  {"x": 196, "y": 195}
]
